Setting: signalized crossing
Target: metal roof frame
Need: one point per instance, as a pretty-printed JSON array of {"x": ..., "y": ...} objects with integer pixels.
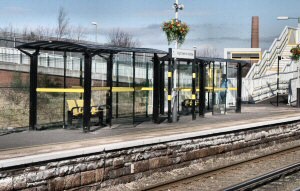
[{"x": 84, "y": 47}]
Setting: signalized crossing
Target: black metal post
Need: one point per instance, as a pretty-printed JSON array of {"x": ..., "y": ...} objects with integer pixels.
[
  {"x": 156, "y": 89},
  {"x": 64, "y": 100},
  {"x": 133, "y": 86},
  {"x": 194, "y": 89},
  {"x": 239, "y": 88},
  {"x": 298, "y": 97},
  {"x": 109, "y": 74},
  {"x": 209, "y": 91},
  {"x": 226, "y": 65},
  {"x": 80, "y": 77},
  {"x": 202, "y": 79},
  {"x": 33, "y": 93},
  {"x": 147, "y": 85},
  {"x": 279, "y": 58},
  {"x": 117, "y": 94},
  {"x": 161, "y": 88},
  {"x": 213, "y": 88},
  {"x": 178, "y": 87},
  {"x": 21, "y": 58},
  {"x": 48, "y": 61},
  {"x": 87, "y": 91},
  {"x": 169, "y": 91}
]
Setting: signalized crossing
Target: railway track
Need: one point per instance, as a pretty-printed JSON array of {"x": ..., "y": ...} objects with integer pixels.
[
  {"x": 264, "y": 173},
  {"x": 267, "y": 179}
]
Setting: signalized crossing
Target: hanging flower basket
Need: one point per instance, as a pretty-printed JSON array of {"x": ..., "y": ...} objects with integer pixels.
[
  {"x": 175, "y": 30},
  {"x": 295, "y": 53}
]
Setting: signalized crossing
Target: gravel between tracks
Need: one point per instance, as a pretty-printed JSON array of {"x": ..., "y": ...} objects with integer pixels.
[{"x": 218, "y": 179}]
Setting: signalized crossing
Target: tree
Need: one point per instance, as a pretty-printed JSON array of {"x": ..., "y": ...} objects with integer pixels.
[
  {"x": 77, "y": 33},
  {"x": 208, "y": 52},
  {"x": 121, "y": 38},
  {"x": 62, "y": 23}
]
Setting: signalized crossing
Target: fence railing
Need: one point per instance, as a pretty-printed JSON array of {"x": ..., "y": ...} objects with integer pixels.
[
  {"x": 269, "y": 57},
  {"x": 264, "y": 87}
]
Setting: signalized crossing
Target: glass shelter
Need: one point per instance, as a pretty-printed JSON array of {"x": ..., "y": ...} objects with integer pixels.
[{"x": 102, "y": 85}]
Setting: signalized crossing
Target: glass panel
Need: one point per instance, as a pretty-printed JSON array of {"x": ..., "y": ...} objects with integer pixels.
[
  {"x": 123, "y": 91},
  {"x": 14, "y": 104},
  {"x": 209, "y": 86},
  {"x": 232, "y": 87},
  {"x": 144, "y": 85},
  {"x": 220, "y": 88},
  {"x": 50, "y": 105},
  {"x": 185, "y": 87}
]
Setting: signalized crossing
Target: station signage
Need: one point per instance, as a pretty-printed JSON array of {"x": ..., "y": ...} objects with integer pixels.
[{"x": 183, "y": 53}]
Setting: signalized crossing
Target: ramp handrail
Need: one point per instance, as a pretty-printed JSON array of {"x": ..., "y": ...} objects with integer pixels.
[{"x": 269, "y": 56}]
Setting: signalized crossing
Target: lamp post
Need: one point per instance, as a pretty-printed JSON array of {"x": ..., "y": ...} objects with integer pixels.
[
  {"x": 298, "y": 40},
  {"x": 177, "y": 7},
  {"x": 96, "y": 24},
  {"x": 287, "y": 18}
]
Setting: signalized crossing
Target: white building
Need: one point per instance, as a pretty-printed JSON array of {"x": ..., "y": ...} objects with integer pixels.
[{"x": 252, "y": 55}]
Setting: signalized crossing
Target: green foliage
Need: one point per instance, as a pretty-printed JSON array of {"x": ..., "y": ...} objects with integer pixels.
[
  {"x": 48, "y": 82},
  {"x": 295, "y": 53},
  {"x": 18, "y": 83},
  {"x": 175, "y": 30}
]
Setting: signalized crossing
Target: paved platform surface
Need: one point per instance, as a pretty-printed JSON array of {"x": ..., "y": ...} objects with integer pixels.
[{"x": 30, "y": 143}]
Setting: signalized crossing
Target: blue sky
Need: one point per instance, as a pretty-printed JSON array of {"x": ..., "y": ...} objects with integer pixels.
[{"x": 218, "y": 23}]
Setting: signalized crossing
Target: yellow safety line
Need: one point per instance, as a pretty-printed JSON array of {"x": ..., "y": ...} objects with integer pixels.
[
  {"x": 60, "y": 90},
  {"x": 100, "y": 88},
  {"x": 194, "y": 75},
  {"x": 118, "y": 89},
  {"x": 185, "y": 89},
  {"x": 122, "y": 89},
  {"x": 144, "y": 88}
]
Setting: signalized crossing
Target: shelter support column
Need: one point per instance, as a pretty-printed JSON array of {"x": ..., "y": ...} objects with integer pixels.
[
  {"x": 169, "y": 91},
  {"x": 156, "y": 89},
  {"x": 64, "y": 100},
  {"x": 162, "y": 88},
  {"x": 202, "y": 78},
  {"x": 33, "y": 93},
  {"x": 117, "y": 84},
  {"x": 109, "y": 82},
  {"x": 193, "y": 90},
  {"x": 80, "y": 77},
  {"x": 213, "y": 88},
  {"x": 239, "y": 88},
  {"x": 133, "y": 86},
  {"x": 87, "y": 91}
]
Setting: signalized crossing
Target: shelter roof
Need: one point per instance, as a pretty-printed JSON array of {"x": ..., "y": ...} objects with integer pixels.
[
  {"x": 209, "y": 59},
  {"x": 83, "y": 47}
]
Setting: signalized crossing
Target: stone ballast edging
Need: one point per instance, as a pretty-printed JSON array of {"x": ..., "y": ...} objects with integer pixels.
[{"x": 116, "y": 163}]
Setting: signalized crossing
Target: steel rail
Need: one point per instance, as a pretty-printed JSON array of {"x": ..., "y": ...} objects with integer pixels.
[
  {"x": 264, "y": 179},
  {"x": 195, "y": 174}
]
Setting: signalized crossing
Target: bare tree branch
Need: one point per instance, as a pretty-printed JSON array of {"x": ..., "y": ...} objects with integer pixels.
[
  {"x": 77, "y": 33},
  {"x": 120, "y": 38},
  {"x": 208, "y": 52},
  {"x": 62, "y": 23}
]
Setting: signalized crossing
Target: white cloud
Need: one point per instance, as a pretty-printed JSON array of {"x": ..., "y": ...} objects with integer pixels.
[{"x": 13, "y": 10}]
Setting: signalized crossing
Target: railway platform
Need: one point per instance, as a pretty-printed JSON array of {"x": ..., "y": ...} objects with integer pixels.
[
  {"x": 68, "y": 158},
  {"x": 30, "y": 143}
]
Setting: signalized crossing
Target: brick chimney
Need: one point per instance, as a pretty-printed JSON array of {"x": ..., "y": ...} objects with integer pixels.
[{"x": 255, "y": 32}]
